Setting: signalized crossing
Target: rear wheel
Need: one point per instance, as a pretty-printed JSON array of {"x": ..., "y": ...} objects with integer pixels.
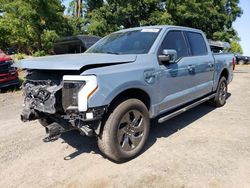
[
  {"x": 221, "y": 93},
  {"x": 125, "y": 131}
]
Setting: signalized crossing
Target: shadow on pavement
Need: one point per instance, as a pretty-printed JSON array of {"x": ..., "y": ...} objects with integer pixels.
[
  {"x": 84, "y": 144},
  {"x": 176, "y": 124}
]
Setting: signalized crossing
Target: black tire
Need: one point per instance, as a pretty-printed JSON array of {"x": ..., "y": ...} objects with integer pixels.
[
  {"x": 45, "y": 121},
  {"x": 241, "y": 62},
  {"x": 221, "y": 93},
  {"x": 125, "y": 131}
]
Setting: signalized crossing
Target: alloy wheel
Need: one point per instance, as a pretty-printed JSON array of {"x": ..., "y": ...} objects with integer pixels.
[{"x": 130, "y": 130}]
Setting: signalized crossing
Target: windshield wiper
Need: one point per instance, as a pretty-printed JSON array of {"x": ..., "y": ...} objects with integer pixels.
[{"x": 109, "y": 52}]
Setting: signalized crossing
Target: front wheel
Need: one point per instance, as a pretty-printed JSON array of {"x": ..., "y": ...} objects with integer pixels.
[{"x": 125, "y": 131}]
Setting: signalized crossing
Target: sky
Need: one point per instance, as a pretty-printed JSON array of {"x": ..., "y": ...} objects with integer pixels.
[
  {"x": 66, "y": 2},
  {"x": 242, "y": 25}
]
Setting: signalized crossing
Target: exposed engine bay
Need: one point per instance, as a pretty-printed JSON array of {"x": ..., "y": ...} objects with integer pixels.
[
  {"x": 43, "y": 92},
  {"x": 49, "y": 98},
  {"x": 42, "y": 96}
]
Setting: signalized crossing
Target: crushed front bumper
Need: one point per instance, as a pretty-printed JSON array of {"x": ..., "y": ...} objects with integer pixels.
[
  {"x": 41, "y": 96},
  {"x": 43, "y": 99}
]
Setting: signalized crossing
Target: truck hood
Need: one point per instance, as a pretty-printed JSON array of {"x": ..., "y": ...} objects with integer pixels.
[{"x": 73, "y": 61}]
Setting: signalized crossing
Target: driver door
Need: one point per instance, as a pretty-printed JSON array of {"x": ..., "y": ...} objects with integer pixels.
[{"x": 175, "y": 78}]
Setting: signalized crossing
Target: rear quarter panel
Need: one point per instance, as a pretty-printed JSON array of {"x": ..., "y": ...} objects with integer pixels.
[{"x": 223, "y": 62}]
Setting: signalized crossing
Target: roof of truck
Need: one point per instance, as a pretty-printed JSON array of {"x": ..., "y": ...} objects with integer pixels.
[{"x": 161, "y": 27}]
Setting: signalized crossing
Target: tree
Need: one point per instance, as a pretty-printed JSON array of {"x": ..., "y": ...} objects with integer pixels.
[
  {"x": 117, "y": 14},
  {"x": 28, "y": 21},
  {"x": 31, "y": 25},
  {"x": 93, "y": 4},
  {"x": 214, "y": 17},
  {"x": 236, "y": 47}
]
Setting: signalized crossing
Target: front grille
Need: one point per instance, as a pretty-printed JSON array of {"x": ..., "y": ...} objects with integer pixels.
[{"x": 4, "y": 67}]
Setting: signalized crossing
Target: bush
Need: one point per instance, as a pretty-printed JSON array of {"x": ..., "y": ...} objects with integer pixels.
[
  {"x": 39, "y": 53},
  {"x": 19, "y": 56},
  {"x": 48, "y": 39}
]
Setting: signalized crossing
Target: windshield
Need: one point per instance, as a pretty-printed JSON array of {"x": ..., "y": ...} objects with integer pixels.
[{"x": 129, "y": 42}]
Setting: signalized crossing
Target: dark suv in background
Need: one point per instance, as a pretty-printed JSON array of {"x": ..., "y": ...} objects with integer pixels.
[
  {"x": 74, "y": 44},
  {"x": 241, "y": 60}
]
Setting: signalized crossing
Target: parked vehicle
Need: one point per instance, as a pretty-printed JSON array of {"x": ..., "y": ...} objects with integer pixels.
[
  {"x": 8, "y": 74},
  {"x": 219, "y": 46},
  {"x": 74, "y": 44},
  {"x": 124, "y": 80},
  {"x": 242, "y": 60},
  {"x": 10, "y": 51}
]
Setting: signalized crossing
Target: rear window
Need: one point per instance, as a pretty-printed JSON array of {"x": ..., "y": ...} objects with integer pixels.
[{"x": 197, "y": 44}]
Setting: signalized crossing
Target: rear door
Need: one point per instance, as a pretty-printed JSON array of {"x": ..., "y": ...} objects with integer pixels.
[{"x": 202, "y": 63}]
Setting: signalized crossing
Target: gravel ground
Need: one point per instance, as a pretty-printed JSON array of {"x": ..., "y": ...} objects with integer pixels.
[{"x": 204, "y": 147}]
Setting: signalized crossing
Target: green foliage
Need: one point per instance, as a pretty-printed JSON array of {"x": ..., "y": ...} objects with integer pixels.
[
  {"x": 212, "y": 16},
  {"x": 48, "y": 39},
  {"x": 28, "y": 24},
  {"x": 19, "y": 56},
  {"x": 39, "y": 53},
  {"x": 236, "y": 47},
  {"x": 93, "y": 4},
  {"x": 117, "y": 14},
  {"x": 33, "y": 25},
  {"x": 102, "y": 21},
  {"x": 77, "y": 25}
]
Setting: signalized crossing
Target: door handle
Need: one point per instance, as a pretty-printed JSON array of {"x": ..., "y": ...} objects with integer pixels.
[
  {"x": 211, "y": 65},
  {"x": 191, "y": 69}
]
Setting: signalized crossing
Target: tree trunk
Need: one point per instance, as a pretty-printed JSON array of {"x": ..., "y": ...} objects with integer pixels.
[{"x": 78, "y": 8}]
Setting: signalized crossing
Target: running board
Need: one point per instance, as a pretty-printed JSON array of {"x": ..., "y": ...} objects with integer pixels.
[{"x": 180, "y": 111}]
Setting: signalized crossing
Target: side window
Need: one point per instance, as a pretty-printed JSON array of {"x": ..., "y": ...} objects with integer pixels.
[
  {"x": 174, "y": 40},
  {"x": 197, "y": 44}
]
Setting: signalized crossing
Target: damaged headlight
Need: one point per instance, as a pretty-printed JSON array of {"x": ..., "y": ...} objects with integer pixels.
[
  {"x": 76, "y": 91},
  {"x": 70, "y": 93}
]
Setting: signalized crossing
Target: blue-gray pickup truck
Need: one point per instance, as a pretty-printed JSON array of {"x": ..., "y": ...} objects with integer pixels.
[{"x": 127, "y": 78}]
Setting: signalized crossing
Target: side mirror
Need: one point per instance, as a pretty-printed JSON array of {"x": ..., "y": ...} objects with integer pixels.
[{"x": 168, "y": 56}]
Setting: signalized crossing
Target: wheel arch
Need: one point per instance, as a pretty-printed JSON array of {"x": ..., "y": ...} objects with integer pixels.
[
  {"x": 224, "y": 73},
  {"x": 129, "y": 93}
]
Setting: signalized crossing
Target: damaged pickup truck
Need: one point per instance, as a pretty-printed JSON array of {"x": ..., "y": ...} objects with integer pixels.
[{"x": 127, "y": 78}]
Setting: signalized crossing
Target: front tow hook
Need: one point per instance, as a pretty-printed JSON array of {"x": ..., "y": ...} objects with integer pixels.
[
  {"x": 28, "y": 115},
  {"x": 53, "y": 131}
]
